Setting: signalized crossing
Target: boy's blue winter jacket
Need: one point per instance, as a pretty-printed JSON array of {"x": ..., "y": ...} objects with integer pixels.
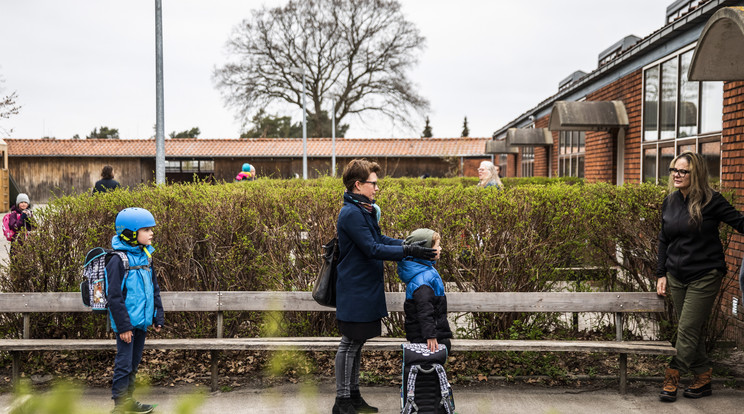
[
  {"x": 136, "y": 302},
  {"x": 426, "y": 304}
]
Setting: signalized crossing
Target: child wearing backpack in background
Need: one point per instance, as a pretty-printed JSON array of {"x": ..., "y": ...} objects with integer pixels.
[
  {"x": 426, "y": 305},
  {"x": 19, "y": 217},
  {"x": 134, "y": 303}
]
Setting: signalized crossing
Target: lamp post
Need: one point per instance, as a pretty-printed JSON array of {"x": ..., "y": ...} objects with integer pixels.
[
  {"x": 159, "y": 112},
  {"x": 304, "y": 121},
  {"x": 333, "y": 139}
]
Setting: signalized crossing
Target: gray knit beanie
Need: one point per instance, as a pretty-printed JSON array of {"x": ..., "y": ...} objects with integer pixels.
[
  {"x": 21, "y": 198},
  {"x": 419, "y": 235}
]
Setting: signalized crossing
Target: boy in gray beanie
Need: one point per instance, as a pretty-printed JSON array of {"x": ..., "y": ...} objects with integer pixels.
[{"x": 426, "y": 305}]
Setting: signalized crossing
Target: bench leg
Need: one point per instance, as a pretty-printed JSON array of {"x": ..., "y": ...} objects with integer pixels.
[
  {"x": 623, "y": 373},
  {"x": 215, "y": 369},
  {"x": 16, "y": 367}
]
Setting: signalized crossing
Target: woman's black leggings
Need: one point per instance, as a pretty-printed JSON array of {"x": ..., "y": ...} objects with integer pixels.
[{"x": 347, "y": 366}]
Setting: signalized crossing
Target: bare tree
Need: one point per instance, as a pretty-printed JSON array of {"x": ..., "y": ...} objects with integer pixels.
[
  {"x": 353, "y": 52},
  {"x": 8, "y": 106}
]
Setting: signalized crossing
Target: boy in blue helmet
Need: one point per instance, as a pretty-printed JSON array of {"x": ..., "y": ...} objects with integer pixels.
[
  {"x": 426, "y": 305},
  {"x": 134, "y": 302}
]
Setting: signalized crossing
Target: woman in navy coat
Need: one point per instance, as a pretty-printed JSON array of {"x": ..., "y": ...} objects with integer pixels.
[{"x": 360, "y": 288}]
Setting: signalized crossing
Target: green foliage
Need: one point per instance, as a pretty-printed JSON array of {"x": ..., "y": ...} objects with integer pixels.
[
  {"x": 189, "y": 133},
  {"x": 104, "y": 133},
  {"x": 64, "y": 398}
]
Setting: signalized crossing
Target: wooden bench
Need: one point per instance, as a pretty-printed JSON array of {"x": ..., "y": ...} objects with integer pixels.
[{"x": 616, "y": 303}]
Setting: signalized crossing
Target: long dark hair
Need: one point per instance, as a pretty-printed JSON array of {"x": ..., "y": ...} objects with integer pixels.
[{"x": 700, "y": 190}]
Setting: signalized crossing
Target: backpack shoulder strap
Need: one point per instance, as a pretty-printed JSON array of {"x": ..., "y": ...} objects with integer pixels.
[
  {"x": 410, "y": 406},
  {"x": 444, "y": 388}
]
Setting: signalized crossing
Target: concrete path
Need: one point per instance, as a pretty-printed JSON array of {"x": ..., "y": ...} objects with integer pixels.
[{"x": 506, "y": 398}]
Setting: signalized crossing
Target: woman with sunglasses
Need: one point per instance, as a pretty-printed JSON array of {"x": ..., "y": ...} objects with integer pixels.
[
  {"x": 360, "y": 287},
  {"x": 691, "y": 265}
]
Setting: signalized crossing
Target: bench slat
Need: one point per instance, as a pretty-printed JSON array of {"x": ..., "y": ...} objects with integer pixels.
[
  {"x": 302, "y": 301},
  {"x": 331, "y": 344}
]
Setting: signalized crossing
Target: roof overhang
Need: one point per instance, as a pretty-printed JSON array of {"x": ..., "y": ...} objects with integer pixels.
[
  {"x": 500, "y": 146},
  {"x": 529, "y": 136},
  {"x": 719, "y": 54},
  {"x": 588, "y": 116}
]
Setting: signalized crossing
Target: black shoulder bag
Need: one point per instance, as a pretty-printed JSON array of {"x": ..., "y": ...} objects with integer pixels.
[{"x": 324, "y": 291}]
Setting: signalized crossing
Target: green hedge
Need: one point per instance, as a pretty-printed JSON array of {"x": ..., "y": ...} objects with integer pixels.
[{"x": 267, "y": 235}]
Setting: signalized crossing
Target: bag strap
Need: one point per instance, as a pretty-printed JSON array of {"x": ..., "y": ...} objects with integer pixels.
[
  {"x": 410, "y": 406},
  {"x": 444, "y": 387}
]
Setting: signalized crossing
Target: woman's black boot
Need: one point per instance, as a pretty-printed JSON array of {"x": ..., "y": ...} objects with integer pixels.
[
  {"x": 343, "y": 406},
  {"x": 360, "y": 405}
]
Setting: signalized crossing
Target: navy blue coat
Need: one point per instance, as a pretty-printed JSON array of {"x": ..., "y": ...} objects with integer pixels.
[{"x": 360, "y": 288}]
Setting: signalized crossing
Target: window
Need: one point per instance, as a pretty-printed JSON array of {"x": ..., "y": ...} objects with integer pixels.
[
  {"x": 571, "y": 149},
  {"x": 679, "y": 115},
  {"x": 501, "y": 161},
  {"x": 189, "y": 166},
  {"x": 528, "y": 161}
]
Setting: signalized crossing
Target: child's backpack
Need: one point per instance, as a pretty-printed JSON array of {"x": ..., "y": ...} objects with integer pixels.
[
  {"x": 425, "y": 388},
  {"x": 7, "y": 231},
  {"x": 93, "y": 286}
]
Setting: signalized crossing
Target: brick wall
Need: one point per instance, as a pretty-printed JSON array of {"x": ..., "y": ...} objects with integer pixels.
[
  {"x": 732, "y": 172},
  {"x": 542, "y": 154},
  {"x": 601, "y": 145}
]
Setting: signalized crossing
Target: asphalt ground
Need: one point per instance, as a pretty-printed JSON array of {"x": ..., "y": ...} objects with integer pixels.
[{"x": 491, "y": 398}]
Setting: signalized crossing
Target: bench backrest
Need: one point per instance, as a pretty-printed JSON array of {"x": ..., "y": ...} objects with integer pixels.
[{"x": 215, "y": 301}]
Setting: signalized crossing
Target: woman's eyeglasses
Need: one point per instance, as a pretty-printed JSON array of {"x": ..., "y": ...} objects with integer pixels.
[
  {"x": 374, "y": 183},
  {"x": 679, "y": 171}
]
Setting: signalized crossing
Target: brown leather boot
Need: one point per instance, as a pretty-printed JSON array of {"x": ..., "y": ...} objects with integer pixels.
[
  {"x": 700, "y": 386},
  {"x": 671, "y": 382}
]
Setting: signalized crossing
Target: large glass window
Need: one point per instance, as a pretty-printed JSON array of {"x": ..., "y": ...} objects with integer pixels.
[
  {"x": 668, "y": 98},
  {"x": 571, "y": 149},
  {"x": 651, "y": 105},
  {"x": 679, "y": 115}
]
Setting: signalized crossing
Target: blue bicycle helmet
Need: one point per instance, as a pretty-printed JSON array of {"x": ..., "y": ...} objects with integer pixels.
[
  {"x": 129, "y": 220},
  {"x": 247, "y": 167}
]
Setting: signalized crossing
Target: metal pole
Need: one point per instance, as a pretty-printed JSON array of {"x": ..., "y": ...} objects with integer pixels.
[
  {"x": 159, "y": 127},
  {"x": 304, "y": 130},
  {"x": 333, "y": 139}
]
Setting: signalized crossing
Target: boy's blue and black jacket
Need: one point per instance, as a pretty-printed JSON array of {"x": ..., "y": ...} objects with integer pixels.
[
  {"x": 135, "y": 304},
  {"x": 426, "y": 304}
]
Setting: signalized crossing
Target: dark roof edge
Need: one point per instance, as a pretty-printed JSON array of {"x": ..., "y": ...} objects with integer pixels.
[{"x": 666, "y": 32}]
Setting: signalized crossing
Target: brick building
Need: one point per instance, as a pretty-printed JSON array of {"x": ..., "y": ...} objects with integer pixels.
[
  {"x": 43, "y": 167},
  {"x": 627, "y": 119}
]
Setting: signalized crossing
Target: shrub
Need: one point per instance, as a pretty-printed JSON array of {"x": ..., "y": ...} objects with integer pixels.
[{"x": 267, "y": 235}]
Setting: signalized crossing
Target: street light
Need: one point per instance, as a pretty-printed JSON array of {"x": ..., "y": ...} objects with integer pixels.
[
  {"x": 333, "y": 139},
  {"x": 304, "y": 122}
]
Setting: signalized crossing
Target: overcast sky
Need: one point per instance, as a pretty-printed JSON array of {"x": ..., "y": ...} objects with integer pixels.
[{"x": 81, "y": 64}]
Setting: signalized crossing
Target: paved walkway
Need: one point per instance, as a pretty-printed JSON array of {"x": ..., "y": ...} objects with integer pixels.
[{"x": 506, "y": 398}]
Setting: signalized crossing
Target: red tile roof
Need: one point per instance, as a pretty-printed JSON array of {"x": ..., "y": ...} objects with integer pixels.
[{"x": 256, "y": 147}]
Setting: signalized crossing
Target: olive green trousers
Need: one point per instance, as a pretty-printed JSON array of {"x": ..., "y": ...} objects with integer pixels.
[{"x": 693, "y": 303}]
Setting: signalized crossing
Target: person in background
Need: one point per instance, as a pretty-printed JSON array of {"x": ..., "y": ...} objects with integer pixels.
[
  {"x": 360, "y": 286},
  {"x": 691, "y": 265},
  {"x": 20, "y": 220},
  {"x": 248, "y": 173},
  {"x": 107, "y": 182},
  {"x": 489, "y": 176}
]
